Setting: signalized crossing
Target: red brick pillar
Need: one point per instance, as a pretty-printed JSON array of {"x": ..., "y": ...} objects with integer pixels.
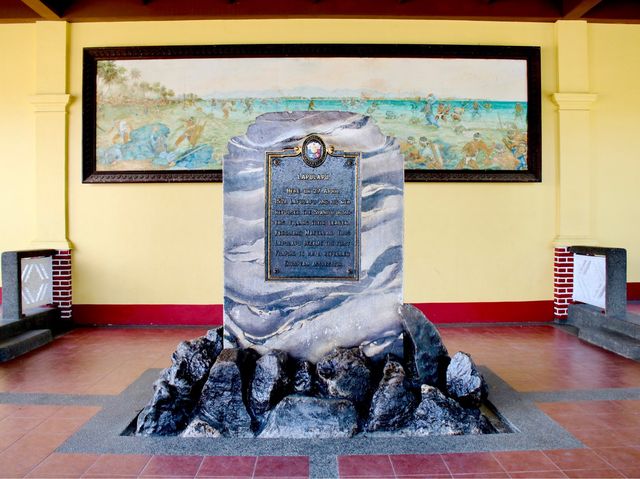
[
  {"x": 562, "y": 282},
  {"x": 62, "y": 283}
]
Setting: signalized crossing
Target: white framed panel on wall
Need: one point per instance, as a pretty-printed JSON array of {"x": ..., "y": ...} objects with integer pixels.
[{"x": 590, "y": 280}]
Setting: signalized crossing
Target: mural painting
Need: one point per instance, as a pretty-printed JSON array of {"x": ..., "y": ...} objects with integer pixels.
[{"x": 178, "y": 114}]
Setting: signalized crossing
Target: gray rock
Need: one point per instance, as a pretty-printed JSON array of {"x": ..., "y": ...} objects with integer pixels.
[
  {"x": 425, "y": 355},
  {"x": 222, "y": 403},
  {"x": 177, "y": 390},
  {"x": 270, "y": 382},
  {"x": 303, "y": 381},
  {"x": 464, "y": 382},
  {"x": 305, "y": 417},
  {"x": 192, "y": 361},
  {"x": 439, "y": 415},
  {"x": 393, "y": 403},
  {"x": 200, "y": 428},
  {"x": 166, "y": 413},
  {"x": 214, "y": 335},
  {"x": 344, "y": 374}
]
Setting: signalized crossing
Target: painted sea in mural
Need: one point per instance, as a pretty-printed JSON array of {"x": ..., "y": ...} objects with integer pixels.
[{"x": 165, "y": 125}]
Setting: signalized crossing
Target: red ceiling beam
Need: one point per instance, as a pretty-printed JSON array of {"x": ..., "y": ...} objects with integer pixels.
[
  {"x": 618, "y": 11},
  {"x": 105, "y": 10},
  {"x": 576, "y": 9},
  {"x": 45, "y": 9}
]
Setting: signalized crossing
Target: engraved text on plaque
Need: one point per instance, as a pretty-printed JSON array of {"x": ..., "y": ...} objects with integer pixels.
[{"x": 312, "y": 216}]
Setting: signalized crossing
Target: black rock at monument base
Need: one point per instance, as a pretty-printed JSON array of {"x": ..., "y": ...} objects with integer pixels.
[
  {"x": 345, "y": 374},
  {"x": 464, "y": 382},
  {"x": 222, "y": 404},
  {"x": 178, "y": 389},
  {"x": 270, "y": 381},
  {"x": 166, "y": 414},
  {"x": 200, "y": 428},
  {"x": 303, "y": 382},
  {"x": 439, "y": 415},
  {"x": 192, "y": 361},
  {"x": 393, "y": 402},
  {"x": 311, "y": 417},
  {"x": 425, "y": 354},
  {"x": 209, "y": 392}
]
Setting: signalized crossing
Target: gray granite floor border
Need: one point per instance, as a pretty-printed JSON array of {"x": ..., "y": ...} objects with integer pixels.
[{"x": 532, "y": 430}]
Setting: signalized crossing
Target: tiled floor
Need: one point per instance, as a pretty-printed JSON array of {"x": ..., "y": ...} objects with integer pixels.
[{"x": 530, "y": 359}]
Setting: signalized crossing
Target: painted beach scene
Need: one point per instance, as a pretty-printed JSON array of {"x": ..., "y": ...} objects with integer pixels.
[{"x": 179, "y": 114}]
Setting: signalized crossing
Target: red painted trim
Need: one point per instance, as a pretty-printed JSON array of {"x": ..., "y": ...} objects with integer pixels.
[
  {"x": 490, "y": 312},
  {"x": 148, "y": 314},
  {"x": 211, "y": 314},
  {"x": 633, "y": 291}
]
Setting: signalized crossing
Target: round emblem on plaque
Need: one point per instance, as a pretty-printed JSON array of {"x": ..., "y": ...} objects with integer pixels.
[{"x": 313, "y": 151}]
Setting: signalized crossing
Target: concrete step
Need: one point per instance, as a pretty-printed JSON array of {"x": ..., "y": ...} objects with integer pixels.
[
  {"x": 612, "y": 341},
  {"x": 43, "y": 318},
  {"x": 37, "y": 318},
  {"x": 586, "y": 316},
  {"x": 12, "y": 327},
  {"x": 23, "y": 343}
]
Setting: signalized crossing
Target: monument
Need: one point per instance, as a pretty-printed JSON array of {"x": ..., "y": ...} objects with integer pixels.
[
  {"x": 317, "y": 341},
  {"x": 313, "y": 235}
]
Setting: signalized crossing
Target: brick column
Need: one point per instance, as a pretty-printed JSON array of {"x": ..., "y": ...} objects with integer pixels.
[
  {"x": 562, "y": 282},
  {"x": 62, "y": 283}
]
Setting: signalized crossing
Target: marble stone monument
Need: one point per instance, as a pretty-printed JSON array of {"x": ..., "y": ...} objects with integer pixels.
[
  {"x": 317, "y": 342},
  {"x": 313, "y": 235}
]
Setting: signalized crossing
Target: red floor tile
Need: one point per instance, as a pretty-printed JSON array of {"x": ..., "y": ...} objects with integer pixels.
[
  {"x": 524, "y": 461},
  {"x": 19, "y": 424},
  {"x": 472, "y": 463},
  {"x": 7, "y": 409},
  {"x": 172, "y": 466},
  {"x": 482, "y": 475},
  {"x": 424, "y": 476},
  {"x": 231, "y": 466},
  {"x": 118, "y": 465},
  {"x": 631, "y": 472},
  {"x": 64, "y": 465},
  {"x": 578, "y": 422},
  {"x": 27, "y": 452},
  {"x": 410, "y": 464},
  {"x": 629, "y": 406},
  {"x": 59, "y": 425},
  {"x": 620, "y": 437},
  {"x": 593, "y": 473},
  {"x": 538, "y": 474},
  {"x": 567, "y": 459},
  {"x": 8, "y": 438},
  {"x": 282, "y": 466},
  {"x": 621, "y": 457},
  {"x": 365, "y": 466},
  {"x": 35, "y": 411}
]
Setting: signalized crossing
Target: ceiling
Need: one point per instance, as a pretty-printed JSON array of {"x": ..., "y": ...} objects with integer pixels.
[{"x": 609, "y": 11}]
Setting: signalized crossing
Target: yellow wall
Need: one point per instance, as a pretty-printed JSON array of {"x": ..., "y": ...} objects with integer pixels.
[
  {"x": 614, "y": 54},
  {"x": 17, "y": 151},
  {"x": 153, "y": 243},
  {"x": 167, "y": 238}
]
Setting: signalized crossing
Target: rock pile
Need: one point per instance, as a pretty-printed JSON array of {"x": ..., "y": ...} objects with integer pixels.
[{"x": 213, "y": 392}]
